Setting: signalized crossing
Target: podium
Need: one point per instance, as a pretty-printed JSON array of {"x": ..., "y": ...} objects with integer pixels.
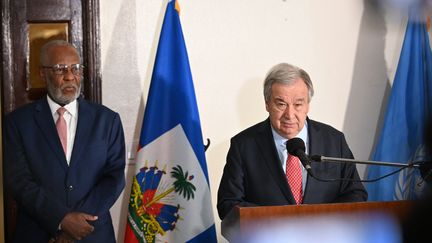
[{"x": 239, "y": 218}]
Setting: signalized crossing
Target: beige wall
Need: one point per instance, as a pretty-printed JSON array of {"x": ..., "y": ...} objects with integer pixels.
[{"x": 349, "y": 49}]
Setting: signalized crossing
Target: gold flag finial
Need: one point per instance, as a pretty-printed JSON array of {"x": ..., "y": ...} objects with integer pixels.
[
  {"x": 177, "y": 6},
  {"x": 428, "y": 23}
]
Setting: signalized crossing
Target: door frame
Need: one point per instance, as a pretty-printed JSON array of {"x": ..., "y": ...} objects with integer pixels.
[
  {"x": 91, "y": 54},
  {"x": 92, "y": 86}
]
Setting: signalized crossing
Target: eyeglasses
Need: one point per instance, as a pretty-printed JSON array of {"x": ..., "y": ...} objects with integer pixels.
[{"x": 62, "y": 69}]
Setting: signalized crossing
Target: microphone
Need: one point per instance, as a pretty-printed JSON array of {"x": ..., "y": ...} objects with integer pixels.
[{"x": 296, "y": 147}]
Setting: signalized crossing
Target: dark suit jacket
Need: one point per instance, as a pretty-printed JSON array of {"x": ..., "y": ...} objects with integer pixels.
[
  {"x": 42, "y": 183},
  {"x": 253, "y": 174}
]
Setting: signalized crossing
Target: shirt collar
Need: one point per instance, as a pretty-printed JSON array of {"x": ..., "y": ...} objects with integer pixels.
[
  {"x": 72, "y": 107},
  {"x": 281, "y": 141}
]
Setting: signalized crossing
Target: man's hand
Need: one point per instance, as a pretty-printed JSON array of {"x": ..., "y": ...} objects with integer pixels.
[
  {"x": 75, "y": 224},
  {"x": 63, "y": 237}
]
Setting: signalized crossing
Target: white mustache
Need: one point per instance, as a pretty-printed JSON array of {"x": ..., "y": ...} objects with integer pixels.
[{"x": 64, "y": 86}]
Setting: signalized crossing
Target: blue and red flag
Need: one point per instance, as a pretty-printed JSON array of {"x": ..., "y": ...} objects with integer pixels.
[{"x": 170, "y": 197}]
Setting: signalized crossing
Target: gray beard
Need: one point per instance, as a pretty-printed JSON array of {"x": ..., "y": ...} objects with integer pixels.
[{"x": 57, "y": 95}]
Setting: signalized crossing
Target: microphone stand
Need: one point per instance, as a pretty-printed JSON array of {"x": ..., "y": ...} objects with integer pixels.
[
  {"x": 424, "y": 167},
  {"x": 319, "y": 158}
]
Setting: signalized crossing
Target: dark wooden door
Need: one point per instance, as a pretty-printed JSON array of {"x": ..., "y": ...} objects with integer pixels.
[{"x": 26, "y": 25}]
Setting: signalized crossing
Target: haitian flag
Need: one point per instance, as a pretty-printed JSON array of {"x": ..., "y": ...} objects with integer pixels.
[
  {"x": 409, "y": 108},
  {"x": 170, "y": 197}
]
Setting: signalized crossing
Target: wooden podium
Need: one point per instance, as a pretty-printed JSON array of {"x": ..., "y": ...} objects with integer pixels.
[{"x": 239, "y": 217}]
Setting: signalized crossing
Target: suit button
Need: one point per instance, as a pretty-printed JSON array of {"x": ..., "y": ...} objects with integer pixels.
[{"x": 70, "y": 188}]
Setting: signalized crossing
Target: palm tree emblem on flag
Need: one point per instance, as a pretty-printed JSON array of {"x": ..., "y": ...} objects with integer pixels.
[
  {"x": 149, "y": 213},
  {"x": 171, "y": 132}
]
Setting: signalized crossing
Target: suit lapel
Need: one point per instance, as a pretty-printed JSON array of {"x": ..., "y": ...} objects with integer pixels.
[
  {"x": 85, "y": 119},
  {"x": 44, "y": 121},
  {"x": 268, "y": 150},
  {"x": 316, "y": 139}
]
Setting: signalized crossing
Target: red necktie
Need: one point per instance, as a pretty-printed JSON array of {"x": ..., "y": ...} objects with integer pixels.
[
  {"x": 62, "y": 128},
  {"x": 294, "y": 176}
]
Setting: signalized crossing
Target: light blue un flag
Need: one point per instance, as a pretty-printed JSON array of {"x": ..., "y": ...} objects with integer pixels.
[
  {"x": 170, "y": 197},
  {"x": 402, "y": 137}
]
